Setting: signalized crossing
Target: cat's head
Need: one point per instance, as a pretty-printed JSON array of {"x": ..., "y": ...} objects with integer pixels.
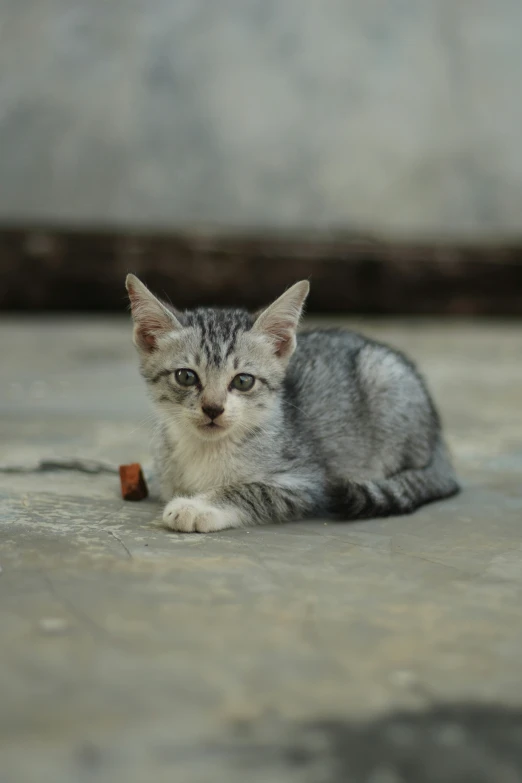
[{"x": 214, "y": 372}]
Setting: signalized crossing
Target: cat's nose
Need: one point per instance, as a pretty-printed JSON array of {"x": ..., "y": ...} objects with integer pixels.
[{"x": 212, "y": 411}]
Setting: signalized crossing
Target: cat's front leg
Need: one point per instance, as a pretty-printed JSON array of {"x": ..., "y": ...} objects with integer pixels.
[
  {"x": 199, "y": 514},
  {"x": 255, "y": 503}
]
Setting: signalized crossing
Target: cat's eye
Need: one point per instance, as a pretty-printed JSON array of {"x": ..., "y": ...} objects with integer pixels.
[
  {"x": 243, "y": 382},
  {"x": 186, "y": 377}
]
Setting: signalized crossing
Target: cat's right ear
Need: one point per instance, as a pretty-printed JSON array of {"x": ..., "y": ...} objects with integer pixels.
[
  {"x": 279, "y": 321},
  {"x": 151, "y": 318}
]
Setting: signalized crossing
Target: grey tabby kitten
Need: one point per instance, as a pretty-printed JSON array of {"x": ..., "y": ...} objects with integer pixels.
[{"x": 256, "y": 425}]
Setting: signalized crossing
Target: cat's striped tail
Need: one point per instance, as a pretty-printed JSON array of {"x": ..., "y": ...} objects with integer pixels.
[{"x": 399, "y": 494}]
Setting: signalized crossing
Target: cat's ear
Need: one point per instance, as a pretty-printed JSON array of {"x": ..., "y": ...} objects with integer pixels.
[
  {"x": 151, "y": 318},
  {"x": 280, "y": 320}
]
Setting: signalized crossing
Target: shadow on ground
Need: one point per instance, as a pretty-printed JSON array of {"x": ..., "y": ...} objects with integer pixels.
[{"x": 457, "y": 744}]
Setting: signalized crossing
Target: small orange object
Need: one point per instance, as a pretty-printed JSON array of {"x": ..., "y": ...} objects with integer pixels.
[{"x": 133, "y": 484}]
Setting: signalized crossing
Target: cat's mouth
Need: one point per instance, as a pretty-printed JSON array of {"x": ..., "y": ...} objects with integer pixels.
[{"x": 212, "y": 428}]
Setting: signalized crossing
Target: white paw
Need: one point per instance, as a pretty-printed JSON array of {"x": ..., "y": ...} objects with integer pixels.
[{"x": 194, "y": 515}]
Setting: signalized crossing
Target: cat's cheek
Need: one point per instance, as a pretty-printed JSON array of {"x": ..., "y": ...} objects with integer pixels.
[
  {"x": 235, "y": 407},
  {"x": 196, "y": 515}
]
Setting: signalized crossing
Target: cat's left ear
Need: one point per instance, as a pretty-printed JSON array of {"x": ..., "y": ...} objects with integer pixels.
[
  {"x": 152, "y": 318},
  {"x": 280, "y": 320}
]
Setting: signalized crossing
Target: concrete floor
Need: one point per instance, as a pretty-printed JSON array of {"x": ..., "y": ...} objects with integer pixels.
[{"x": 380, "y": 651}]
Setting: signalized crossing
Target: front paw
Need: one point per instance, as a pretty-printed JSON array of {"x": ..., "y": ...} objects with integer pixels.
[{"x": 194, "y": 515}]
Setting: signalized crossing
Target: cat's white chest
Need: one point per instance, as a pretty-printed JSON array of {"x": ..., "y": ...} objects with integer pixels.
[{"x": 198, "y": 466}]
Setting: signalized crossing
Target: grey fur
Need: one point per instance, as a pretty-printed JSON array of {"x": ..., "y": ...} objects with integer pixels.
[{"x": 343, "y": 425}]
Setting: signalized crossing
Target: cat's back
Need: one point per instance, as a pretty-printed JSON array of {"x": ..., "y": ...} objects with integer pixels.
[
  {"x": 323, "y": 354},
  {"x": 322, "y": 376},
  {"x": 336, "y": 373},
  {"x": 328, "y": 340},
  {"x": 351, "y": 396},
  {"x": 328, "y": 356}
]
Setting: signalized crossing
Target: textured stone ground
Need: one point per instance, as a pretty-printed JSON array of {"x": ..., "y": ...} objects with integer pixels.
[{"x": 381, "y": 651}]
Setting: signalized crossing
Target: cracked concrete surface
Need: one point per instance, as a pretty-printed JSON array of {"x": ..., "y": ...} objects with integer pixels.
[{"x": 127, "y": 652}]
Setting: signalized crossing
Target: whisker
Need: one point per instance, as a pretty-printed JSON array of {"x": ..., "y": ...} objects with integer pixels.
[
  {"x": 144, "y": 422},
  {"x": 287, "y": 402}
]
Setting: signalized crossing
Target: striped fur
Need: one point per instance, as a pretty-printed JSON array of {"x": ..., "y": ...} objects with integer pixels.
[{"x": 334, "y": 424}]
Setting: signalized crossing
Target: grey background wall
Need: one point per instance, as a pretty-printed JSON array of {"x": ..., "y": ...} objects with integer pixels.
[{"x": 400, "y": 117}]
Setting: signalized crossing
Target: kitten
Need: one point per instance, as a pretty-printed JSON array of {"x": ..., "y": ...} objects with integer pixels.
[{"x": 256, "y": 425}]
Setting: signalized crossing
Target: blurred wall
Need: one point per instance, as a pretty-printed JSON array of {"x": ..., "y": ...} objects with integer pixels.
[{"x": 393, "y": 116}]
